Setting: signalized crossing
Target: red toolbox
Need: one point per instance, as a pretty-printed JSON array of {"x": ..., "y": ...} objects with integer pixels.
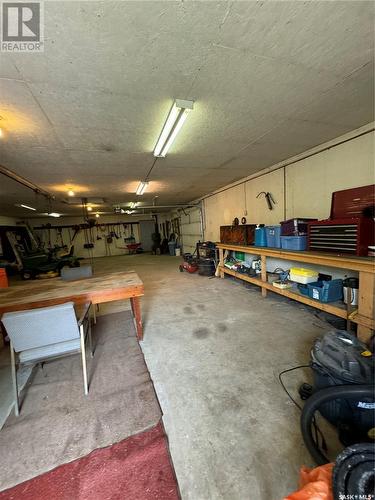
[
  {"x": 295, "y": 227},
  {"x": 351, "y": 228}
]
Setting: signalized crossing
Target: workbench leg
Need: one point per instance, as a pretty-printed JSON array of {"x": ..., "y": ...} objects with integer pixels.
[
  {"x": 264, "y": 274},
  {"x": 136, "y": 309},
  {"x": 366, "y": 306},
  {"x": 221, "y": 261}
]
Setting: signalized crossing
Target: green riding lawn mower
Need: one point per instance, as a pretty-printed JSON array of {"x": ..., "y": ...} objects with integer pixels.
[{"x": 24, "y": 254}]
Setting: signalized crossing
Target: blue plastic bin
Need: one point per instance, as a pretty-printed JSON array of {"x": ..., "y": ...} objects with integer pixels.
[
  {"x": 326, "y": 291},
  {"x": 172, "y": 247},
  {"x": 260, "y": 239},
  {"x": 273, "y": 236},
  {"x": 304, "y": 289},
  {"x": 294, "y": 242}
]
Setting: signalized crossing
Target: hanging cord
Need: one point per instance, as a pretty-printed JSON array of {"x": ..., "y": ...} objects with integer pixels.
[
  {"x": 152, "y": 166},
  {"x": 317, "y": 431}
]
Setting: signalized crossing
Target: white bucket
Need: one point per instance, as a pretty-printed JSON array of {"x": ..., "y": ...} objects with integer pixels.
[{"x": 177, "y": 252}]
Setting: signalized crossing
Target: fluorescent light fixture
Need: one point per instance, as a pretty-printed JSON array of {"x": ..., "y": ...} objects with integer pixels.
[
  {"x": 141, "y": 188},
  {"x": 71, "y": 193},
  {"x": 54, "y": 214},
  {"x": 129, "y": 212},
  {"x": 172, "y": 126},
  {"x": 133, "y": 204},
  {"x": 27, "y": 206}
]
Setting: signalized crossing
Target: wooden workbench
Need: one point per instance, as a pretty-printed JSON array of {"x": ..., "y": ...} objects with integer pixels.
[
  {"x": 364, "y": 317},
  {"x": 104, "y": 287}
]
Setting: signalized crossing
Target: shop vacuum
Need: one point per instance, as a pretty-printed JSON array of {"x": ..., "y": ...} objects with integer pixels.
[{"x": 344, "y": 394}]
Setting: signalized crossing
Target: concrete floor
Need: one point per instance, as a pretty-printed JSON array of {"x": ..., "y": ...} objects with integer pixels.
[{"x": 214, "y": 349}]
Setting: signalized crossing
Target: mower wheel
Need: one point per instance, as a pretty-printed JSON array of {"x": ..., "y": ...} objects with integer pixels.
[{"x": 181, "y": 268}]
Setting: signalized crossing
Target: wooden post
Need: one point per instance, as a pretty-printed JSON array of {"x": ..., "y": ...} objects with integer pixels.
[
  {"x": 221, "y": 261},
  {"x": 136, "y": 308},
  {"x": 366, "y": 306},
  {"x": 264, "y": 274}
]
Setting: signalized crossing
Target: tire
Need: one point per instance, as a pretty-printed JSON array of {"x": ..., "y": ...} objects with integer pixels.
[{"x": 318, "y": 399}]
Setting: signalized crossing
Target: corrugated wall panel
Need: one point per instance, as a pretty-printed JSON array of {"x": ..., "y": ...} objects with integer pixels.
[{"x": 191, "y": 229}]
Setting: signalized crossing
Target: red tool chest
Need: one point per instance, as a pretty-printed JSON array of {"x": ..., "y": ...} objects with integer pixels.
[{"x": 351, "y": 228}]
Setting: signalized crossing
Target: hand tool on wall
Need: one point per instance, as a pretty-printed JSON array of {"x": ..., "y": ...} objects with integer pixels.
[{"x": 269, "y": 199}]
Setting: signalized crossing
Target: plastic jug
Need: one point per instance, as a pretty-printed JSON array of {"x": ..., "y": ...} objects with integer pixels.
[{"x": 260, "y": 236}]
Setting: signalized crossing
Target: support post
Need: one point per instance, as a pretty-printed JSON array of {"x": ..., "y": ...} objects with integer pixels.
[
  {"x": 221, "y": 261},
  {"x": 366, "y": 306},
  {"x": 264, "y": 274},
  {"x": 136, "y": 309}
]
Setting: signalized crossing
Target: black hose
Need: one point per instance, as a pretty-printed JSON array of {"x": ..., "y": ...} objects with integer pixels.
[{"x": 316, "y": 401}]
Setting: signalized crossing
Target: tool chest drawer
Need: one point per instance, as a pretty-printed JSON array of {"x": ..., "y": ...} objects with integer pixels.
[{"x": 351, "y": 236}]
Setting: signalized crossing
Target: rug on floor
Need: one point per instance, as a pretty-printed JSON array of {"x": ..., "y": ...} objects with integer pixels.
[
  {"x": 137, "y": 468},
  {"x": 58, "y": 424}
]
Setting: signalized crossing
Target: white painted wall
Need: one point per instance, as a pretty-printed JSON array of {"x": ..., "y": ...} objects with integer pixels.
[
  {"x": 8, "y": 221},
  {"x": 309, "y": 184},
  {"x": 101, "y": 247}
]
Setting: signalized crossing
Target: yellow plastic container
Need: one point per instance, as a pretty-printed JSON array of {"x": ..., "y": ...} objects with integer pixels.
[{"x": 301, "y": 275}]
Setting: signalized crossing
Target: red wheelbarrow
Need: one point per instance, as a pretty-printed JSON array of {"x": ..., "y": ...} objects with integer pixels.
[{"x": 133, "y": 247}]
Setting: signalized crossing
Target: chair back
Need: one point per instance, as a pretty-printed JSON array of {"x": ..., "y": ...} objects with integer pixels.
[
  {"x": 76, "y": 273},
  {"x": 41, "y": 327}
]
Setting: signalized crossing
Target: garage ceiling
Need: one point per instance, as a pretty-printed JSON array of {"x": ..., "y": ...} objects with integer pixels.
[{"x": 269, "y": 80}]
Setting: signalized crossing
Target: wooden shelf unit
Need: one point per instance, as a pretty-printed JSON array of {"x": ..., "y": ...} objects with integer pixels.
[{"x": 364, "y": 317}]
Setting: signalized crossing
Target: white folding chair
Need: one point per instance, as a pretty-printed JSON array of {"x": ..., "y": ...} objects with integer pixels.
[{"x": 46, "y": 333}]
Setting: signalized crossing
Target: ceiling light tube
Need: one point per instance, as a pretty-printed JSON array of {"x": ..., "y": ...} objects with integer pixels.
[
  {"x": 141, "y": 188},
  {"x": 27, "y": 206},
  {"x": 54, "y": 214},
  {"x": 172, "y": 126},
  {"x": 133, "y": 204}
]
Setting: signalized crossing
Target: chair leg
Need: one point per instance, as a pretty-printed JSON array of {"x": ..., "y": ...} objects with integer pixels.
[
  {"x": 90, "y": 336},
  {"x": 14, "y": 379},
  {"x": 83, "y": 353},
  {"x": 94, "y": 314}
]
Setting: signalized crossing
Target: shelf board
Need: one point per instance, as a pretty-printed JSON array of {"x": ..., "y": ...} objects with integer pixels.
[
  {"x": 335, "y": 308},
  {"x": 341, "y": 261}
]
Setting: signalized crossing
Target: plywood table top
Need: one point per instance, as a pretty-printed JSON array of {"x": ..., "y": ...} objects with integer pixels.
[{"x": 103, "y": 287}]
